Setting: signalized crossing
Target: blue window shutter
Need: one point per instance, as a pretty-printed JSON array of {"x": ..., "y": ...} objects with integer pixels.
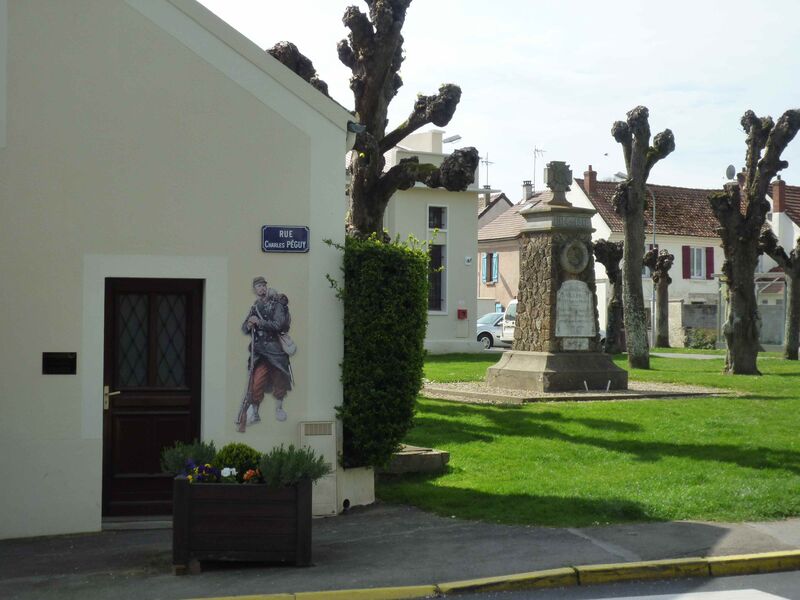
[
  {"x": 483, "y": 267},
  {"x": 495, "y": 263}
]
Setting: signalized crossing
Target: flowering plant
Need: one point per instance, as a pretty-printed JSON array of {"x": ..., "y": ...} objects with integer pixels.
[
  {"x": 252, "y": 476},
  {"x": 206, "y": 473},
  {"x": 228, "y": 475},
  {"x": 239, "y": 463}
]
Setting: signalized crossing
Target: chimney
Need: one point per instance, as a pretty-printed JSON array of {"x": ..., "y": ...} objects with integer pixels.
[
  {"x": 485, "y": 197},
  {"x": 778, "y": 195},
  {"x": 527, "y": 190},
  {"x": 740, "y": 177},
  {"x": 590, "y": 181}
]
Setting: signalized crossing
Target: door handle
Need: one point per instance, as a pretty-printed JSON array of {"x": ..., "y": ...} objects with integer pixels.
[{"x": 106, "y": 395}]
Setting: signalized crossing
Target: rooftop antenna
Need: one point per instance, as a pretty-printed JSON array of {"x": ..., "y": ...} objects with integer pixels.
[
  {"x": 536, "y": 153},
  {"x": 730, "y": 172},
  {"x": 487, "y": 162}
]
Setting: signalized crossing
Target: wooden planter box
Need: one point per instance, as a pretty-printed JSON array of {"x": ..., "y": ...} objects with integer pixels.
[{"x": 228, "y": 521}]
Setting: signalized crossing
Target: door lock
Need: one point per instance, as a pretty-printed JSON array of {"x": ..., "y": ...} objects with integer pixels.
[{"x": 106, "y": 395}]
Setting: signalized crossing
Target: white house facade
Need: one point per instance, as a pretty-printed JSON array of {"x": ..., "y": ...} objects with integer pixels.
[
  {"x": 144, "y": 146},
  {"x": 447, "y": 221}
]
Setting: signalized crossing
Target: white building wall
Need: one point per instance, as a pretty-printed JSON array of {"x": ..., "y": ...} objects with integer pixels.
[
  {"x": 407, "y": 214},
  {"x": 141, "y": 144}
]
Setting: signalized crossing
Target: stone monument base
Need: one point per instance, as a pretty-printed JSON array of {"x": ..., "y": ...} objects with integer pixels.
[{"x": 550, "y": 372}]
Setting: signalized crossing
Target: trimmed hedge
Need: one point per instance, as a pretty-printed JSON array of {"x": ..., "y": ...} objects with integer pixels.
[{"x": 385, "y": 316}]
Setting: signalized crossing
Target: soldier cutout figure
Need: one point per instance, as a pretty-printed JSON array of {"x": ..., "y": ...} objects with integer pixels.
[{"x": 269, "y": 370}]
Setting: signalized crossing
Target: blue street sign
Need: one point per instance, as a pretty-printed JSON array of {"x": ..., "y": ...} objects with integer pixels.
[{"x": 278, "y": 238}]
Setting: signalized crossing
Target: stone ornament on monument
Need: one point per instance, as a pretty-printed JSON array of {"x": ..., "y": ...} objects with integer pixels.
[{"x": 556, "y": 346}]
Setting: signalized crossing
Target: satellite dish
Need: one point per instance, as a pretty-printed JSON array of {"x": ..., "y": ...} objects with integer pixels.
[{"x": 730, "y": 172}]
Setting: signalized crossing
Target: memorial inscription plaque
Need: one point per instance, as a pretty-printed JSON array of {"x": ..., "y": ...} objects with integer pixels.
[{"x": 574, "y": 310}]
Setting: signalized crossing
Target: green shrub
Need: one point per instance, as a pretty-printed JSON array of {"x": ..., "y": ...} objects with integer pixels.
[
  {"x": 385, "y": 315},
  {"x": 701, "y": 339},
  {"x": 287, "y": 466},
  {"x": 239, "y": 456},
  {"x": 175, "y": 458}
]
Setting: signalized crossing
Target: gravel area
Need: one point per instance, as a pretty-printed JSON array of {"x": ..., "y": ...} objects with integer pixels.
[{"x": 481, "y": 393}]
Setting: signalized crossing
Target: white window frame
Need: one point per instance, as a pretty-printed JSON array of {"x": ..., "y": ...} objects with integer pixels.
[
  {"x": 489, "y": 259},
  {"x": 697, "y": 262},
  {"x": 434, "y": 239},
  {"x": 446, "y": 217}
]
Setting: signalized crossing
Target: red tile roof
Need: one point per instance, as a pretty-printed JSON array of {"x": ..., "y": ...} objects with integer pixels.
[
  {"x": 792, "y": 202},
  {"x": 679, "y": 211}
]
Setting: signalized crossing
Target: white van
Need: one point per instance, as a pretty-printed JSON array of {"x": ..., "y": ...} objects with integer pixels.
[{"x": 509, "y": 319}]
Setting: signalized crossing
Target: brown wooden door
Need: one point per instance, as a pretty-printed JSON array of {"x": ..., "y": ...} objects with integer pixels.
[{"x": 153, "y": 351}]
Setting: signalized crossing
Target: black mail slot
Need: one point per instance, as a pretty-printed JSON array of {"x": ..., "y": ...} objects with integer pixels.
[{"x": 59, "y": 363}]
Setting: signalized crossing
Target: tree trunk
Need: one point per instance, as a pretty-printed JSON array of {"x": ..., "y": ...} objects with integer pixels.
[
  {"x": 792, "y": 333},
  {"x": 614, "y": 320},
  {"x": 633, "y": 297},
  {"x": 743, "y": 323},
  {"x": 609, "y": 254},
  {"x": 629, "y": 201},
  {"x": 662, "y": 313}
]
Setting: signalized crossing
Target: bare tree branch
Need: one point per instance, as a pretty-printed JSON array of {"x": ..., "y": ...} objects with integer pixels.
[
  {"x": 456, "y": 172},
  {"x": 757, "y": 133},
  {"x": 609, "y": 254},
  {"x": 639, "y": 124},
  {"x": 663, "y": 146},
  {"x": 622, "y": 133},
  {"x": 768, "y": 244},
  {"x": 290, "y": 56},
  {"x": 438, "y": 109},
  {"x": 621, "y": 198},
  {"x": 779, "y": 137}
]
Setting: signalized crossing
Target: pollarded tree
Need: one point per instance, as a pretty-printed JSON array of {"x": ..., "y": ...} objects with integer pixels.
[
  {"x": 374, "y": 53},
  {"x": 659, "y": 264},
  {"x": 629, "y": 202},
  {"x": 741, "y": 212},
  {"x": 791, "y": 269},
  {"x": 609, "y": 254},
  {"x": 380, "y": 382}
]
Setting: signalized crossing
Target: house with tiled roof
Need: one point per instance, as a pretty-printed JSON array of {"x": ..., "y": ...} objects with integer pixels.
[
  {"x": 498, "y": 249},
  {"x": 784, "y": 217},
  {"x": 682, "y": 223},
  {"x": 491, "y": 206},
  {"x": 677, "y": 219}
]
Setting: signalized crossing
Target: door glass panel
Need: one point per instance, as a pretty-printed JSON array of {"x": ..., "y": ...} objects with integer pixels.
[
  {"x": 171, "y": 334},
  {"x": 132, "y": 340}
]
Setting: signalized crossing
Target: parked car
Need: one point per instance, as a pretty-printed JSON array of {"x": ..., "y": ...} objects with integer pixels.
[
  {"x": 509, "y": 320},
  {"x": 489, "y": 328}
]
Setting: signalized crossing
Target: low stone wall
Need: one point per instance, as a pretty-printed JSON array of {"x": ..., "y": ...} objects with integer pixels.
[{"x": 684, "y": 319}]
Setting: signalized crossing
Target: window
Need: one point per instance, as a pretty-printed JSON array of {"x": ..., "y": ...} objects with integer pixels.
[
  {"x": 698, "y": 263},
  {"x": 437, "y": 217},
  {"x": 436, "y": 287},
  {"x": 697, "y": 268},
  {"x": 489, "y": 263}
]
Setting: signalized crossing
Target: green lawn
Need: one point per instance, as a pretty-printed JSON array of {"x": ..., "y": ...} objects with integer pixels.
[{"x": 579, "y": 463}]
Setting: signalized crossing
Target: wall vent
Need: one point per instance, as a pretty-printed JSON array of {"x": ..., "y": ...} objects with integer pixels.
[{"x": 324, "y": 428}]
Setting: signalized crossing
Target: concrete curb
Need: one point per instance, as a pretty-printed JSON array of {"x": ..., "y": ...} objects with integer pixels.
[{"x": 582, "y": 575}]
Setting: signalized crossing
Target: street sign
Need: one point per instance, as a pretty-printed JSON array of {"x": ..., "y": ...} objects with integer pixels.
[{"x": 282, "y": 238}]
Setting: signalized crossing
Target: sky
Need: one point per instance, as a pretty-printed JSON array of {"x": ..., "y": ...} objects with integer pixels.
[{"x": 554, "y": 76}]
